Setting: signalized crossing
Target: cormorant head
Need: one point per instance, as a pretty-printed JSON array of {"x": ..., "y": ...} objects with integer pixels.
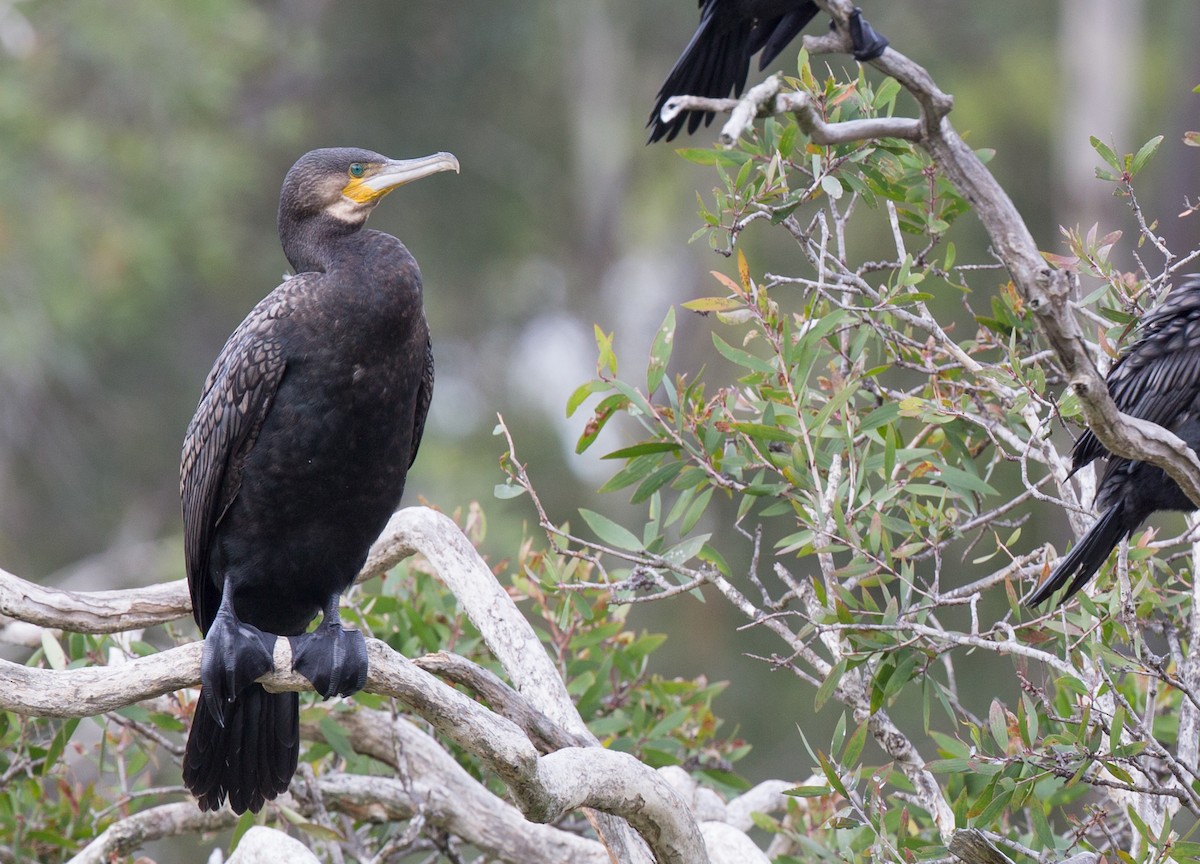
[{"x": 346, "y": 183}]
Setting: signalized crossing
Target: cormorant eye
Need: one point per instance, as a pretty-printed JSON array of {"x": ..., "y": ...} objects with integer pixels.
[{"x": 357, "y": 169}]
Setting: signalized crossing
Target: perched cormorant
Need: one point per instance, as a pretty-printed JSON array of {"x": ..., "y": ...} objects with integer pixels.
[
  {"x": 1157, "y": 379},
  {"x": 717, "y": 59},
  {"x": 293, "y": 463}
]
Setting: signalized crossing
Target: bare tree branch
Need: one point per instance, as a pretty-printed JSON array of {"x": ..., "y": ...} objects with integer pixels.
[
  {"x": 544, "y": 732},
  {"x": 155, "y": 823},
  {"x": 450, "y": 798},
  {"x": 93, "y": 611},
  {"x": 544, "y": 787}
]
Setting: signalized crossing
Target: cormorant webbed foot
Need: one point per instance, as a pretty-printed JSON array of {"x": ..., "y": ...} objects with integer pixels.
[
  {"x": 866, "y": 42},
  {"x": 332, "y": 658},
  {"x": 236, "y": 655}
]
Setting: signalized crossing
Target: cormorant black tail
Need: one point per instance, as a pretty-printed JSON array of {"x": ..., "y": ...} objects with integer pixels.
[
  {"x": 717, "y": 59},
  {"x": 1157, "y": 378},
  {"x": 251, "y": 758},
  {"x": 1087, "y": 557},
  {"x": 774, "y": 40}
]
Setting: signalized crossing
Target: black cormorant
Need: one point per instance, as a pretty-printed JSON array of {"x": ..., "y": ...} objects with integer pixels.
[
  {"x": 1157, "y": 379},
  {"x": 717, "y": 59},
  {"x": 293, "y": 463}
]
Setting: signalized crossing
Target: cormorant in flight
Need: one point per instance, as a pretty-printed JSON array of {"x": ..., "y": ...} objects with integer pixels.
[
  {"x": 1157, "y": 379},
  {"x": 293, "y": 463},
  {"x": 717, "y": 59}
]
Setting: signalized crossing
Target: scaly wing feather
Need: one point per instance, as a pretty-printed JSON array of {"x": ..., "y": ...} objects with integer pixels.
[{"x": 237, "y": 397}]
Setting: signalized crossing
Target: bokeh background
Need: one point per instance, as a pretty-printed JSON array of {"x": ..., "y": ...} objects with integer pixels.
[{"x": 142, "y": 145}]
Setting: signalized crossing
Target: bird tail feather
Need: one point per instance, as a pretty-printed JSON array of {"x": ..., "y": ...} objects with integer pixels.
[
  {"x": 714, "y": 62},
  {"x": 787, "y": 29},
  {"x": 1086, "y": 558},
  {"x": 250, "y": 759}
]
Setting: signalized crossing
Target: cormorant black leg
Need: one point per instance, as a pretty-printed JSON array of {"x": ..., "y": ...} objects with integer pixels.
[
  {"x": 236, "y": 654},
  {"x": 332, "y": 658},
  {"x": 866, "y": 42}
]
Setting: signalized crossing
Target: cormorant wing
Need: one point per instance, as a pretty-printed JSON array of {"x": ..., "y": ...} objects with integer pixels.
[
  {"x": 235, "y": 402},
  {"x": 1158, "y": 378},
  {"x": 424, "y": 397}
]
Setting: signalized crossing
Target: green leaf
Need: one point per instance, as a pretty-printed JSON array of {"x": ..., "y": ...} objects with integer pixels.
[
  {"x": 993, "y": 810},
  {"x": 830, "y": 683},
  {"x": 705, "y": 305},
  {"x": 759, "y": 430},
  {"x": 55, "y": 655},
  {"x": 698, "y": 156},
  {"x": 950, "y": 766},
  {"x": 787, "y": 141},
  {"x": 634, "y": 472},
  {"x": 808, "y": 791},
  {"x": 1041, "y": 826},
  {"x": 1106, "y": 152},
  {"x": 610, "y": 532},
  {"x": 727, "y": 158},
  {"x": 335, "y": 736},
  {"x": 855, "y": 745},
  {"x": 61, "y": 738},
  {"x": 607, "y": 407},
  {"x": 742, "y": 358},
  {"x": 636, "y": 399},
  {"x": 886, "y": 93},
  {"x": 643, "y": 449},
  {"x": 607, "y": 360},
  {"x": 695, "y": 510},
  {"x": 244, "y": 823},
  {"x": 685, "y": 551},
  {"x": 504, "y": 491},
  {"x": 582, "y": 392},
  {"x": 998, "y": 722},
  {"x": 882, "y": 415},
  {"x": 832, "y": 187},
  {"x": 1030, "y": 719},
  {"x": 321, "y": 832},
  {"x": 1143, "y": 155},
  {"x": 660, "y": 352},
  {"x": 662, "y": 475},
  {"x": 669, "y": 723},
  {"x": 1118, "y": 725},
  {"x": 958, "y": 479},
  {"x": 831, "y": 775}
]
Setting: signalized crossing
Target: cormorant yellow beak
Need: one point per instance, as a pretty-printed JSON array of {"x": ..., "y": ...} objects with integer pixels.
[{"x": 382, "y": 178}]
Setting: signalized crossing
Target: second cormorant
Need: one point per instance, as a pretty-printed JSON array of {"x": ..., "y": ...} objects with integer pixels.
[
  {"x": 294, "y": 462},
  {"x": 1157, "y": 379},
  {"x": 717, "y": 59}
]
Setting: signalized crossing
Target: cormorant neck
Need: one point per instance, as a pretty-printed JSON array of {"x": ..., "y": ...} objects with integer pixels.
[{"x": 312, "y": 242}]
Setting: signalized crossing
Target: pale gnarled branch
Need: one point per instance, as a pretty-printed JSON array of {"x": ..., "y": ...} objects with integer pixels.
[
  {"x": 93, "y": 611},
  {"x": 545, "y": 787}
]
